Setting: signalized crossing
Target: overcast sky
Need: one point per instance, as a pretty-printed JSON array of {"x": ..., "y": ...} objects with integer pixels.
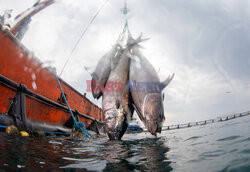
[{"x": 205, "y": 43}]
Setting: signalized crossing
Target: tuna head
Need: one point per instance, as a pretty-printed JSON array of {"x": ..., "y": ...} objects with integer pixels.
[
  {"x": 153, "y": 111},
  {"x": 115, "y": 123}
]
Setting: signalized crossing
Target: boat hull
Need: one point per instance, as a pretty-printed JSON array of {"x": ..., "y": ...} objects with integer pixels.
[{"x": 35, "y": 90}]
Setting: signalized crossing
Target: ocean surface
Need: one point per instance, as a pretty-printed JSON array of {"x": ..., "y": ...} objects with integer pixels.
[{"x": 222, "y": 146}]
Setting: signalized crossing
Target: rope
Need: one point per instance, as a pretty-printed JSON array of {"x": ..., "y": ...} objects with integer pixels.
[
  {"x": 77, "y": 125},
  {"x": 125, "y": 11},
  {"x": 3, "y": 126},
  {"x": 81, "y": 126},
  {"x": 204, "y": 122},
  {"x": 55, "y": 132},
  {"x": 83, "y": 33},
  {"x": 126, "y": 27},
  {"x": 65, "y": 99}
]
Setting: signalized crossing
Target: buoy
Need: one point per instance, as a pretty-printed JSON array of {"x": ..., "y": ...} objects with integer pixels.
[
  {"x": 24, "y": 134},
  {"x": 134, "y": 129},
  {"x": 11, "y": 130}
]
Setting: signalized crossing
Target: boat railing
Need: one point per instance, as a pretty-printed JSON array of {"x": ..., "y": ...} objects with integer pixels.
[{"x": 204, "y": 122}]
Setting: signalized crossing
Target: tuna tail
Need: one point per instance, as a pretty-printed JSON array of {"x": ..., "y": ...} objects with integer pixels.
[
  {"x": 139, "y": 39},
  {"x": 87, "y": 69},
  {"x": 92, "y": 74},
  {"x": 166, "y": 82},
  {"x": 98, "y": 94},
  {"x": 132, "y": 41}
]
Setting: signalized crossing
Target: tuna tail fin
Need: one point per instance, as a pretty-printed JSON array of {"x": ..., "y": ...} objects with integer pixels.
[
  {"x": 166, "y": 82},
  {"x": 87, "y": 69},
  {"x": 92, "y": 74},
  {"x": 139, "y": 39},
  {"x": 132, "y": 41}
]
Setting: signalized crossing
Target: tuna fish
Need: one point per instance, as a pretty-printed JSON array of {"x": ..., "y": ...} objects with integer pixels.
[
  {"x": 146, "y": 90},
  {"x": 114, "y": 106},
  {"x": 117, "y": 102},
  {"x": 125, "y": 62},
  {"x": 104, "y": 66}
]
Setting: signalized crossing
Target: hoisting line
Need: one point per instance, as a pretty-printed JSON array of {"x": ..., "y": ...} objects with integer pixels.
[
  {"x": 125, "y": 11},
  {"x": 83, "y": 33},
  {"x": 78, "y": 125}
]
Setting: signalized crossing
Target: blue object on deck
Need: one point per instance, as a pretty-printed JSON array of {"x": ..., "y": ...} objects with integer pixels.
[
  {"x": 3, "y": 126},
  {"x": 56, "y": 132},
  {"x": 134, "y": 129}
]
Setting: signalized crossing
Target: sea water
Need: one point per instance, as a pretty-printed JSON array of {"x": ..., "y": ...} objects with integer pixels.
[{"x": 222, "y": 146}]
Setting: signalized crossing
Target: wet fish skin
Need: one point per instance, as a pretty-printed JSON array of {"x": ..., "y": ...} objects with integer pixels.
[
  {"x": 148, "y": 104},
  {"x": 107, "y": 63},
  {"x": 115, "y": 123},
  {"x": 102, "y": 70},
  {"x": 154, "y": 113},
  {"x": 115, "y": 106}
]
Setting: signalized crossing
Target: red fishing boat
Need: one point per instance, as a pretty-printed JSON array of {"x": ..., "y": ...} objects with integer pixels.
[{"x": 30, "y": 97}]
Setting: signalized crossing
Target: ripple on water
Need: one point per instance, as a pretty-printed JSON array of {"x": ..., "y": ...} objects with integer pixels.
[
  {"x": 247, "y": 139},
  {"x": 193, "y": 138},
  {"x": 179, "y": 150},
  {"x": 228, "y": 138},
  {"x": 241, "y": 165},
  {"x": 215, "y": 153},
  {"x": 245, "y": 151}
]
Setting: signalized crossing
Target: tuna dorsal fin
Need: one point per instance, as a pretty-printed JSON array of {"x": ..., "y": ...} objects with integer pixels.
[{"x": 167, "y": 81}]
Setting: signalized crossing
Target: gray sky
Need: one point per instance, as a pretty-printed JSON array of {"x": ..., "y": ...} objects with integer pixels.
[{"x": 205, "y": 43}]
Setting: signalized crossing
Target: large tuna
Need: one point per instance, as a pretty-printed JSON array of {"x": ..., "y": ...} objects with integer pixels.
[
  {"x": 117, "y": 102},
  {"x": 114, "y": 106},
  {"x": 146, "y": 90},
  {"x": 104, "y": 66}
]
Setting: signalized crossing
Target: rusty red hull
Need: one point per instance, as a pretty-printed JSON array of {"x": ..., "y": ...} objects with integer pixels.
[{"x": 19, "y": 65}]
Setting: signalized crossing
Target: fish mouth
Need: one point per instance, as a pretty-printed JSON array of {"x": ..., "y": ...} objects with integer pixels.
[
  {"x": 154, "y": 127},
  {"x": 116, "y": 123},
  {"x": 153, "y": 113}
]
